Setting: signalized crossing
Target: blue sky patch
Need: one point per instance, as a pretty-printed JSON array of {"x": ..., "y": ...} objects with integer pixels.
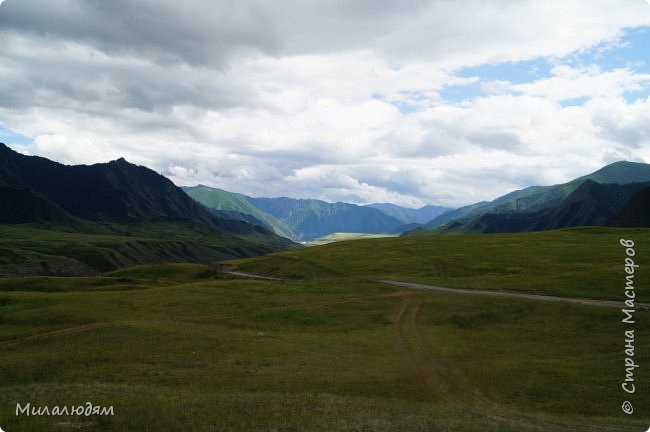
[
  {"x": 8, "y": 136},
  {"x": 632, "y": 51},
  {"x": 638, "y": 95},
  {"x": 405, "y": 107},
  {"x": 511, "y": 72},
  {"x": 575, "y": 101},
  {"x": 514, "y": 72},
  {"x": 460, "y": 93},
  {"x": 408, "y": 104}
]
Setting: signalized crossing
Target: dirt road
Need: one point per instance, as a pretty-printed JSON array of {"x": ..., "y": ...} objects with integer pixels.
[
  {"x": 538, "y": 297},
  {"x": 427, "y": 367}
]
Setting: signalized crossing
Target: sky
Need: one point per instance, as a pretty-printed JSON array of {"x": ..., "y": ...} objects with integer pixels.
[{"x": 414, "y": 102}]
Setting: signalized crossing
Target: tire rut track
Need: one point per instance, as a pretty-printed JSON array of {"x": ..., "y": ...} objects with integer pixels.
[
  {"x": 56, "y": 333},
  {"x": 511, "y": 294},
  {"x": 445, "y": 385},
  {"x": 72, "y": 330}
]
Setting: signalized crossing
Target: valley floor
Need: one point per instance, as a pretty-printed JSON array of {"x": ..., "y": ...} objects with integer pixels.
[{"x": 180, "y": 347}]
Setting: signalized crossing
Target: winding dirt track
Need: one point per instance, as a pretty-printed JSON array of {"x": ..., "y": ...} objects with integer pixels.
[
  {"x": 420, "y": 357},
  {"x": 538, "y": 297},
  {"x": 251, "y": 276},
  {"x": 55, "y": 333},
  {"x": 444, "y": 385}
]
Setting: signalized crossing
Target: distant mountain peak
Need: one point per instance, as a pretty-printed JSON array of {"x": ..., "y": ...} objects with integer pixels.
[
  {"x": 121, "y": 162},
  {"x": 620, "y": 172},
  {"x": 409, "y": 215},
  {"x": 299, "y": 219},
  {"x": 621, "y": 163}
]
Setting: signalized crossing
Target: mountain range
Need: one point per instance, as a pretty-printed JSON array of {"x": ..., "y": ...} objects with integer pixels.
[
  {"x": 123, "y": 199},
  {"x": 129, "y": 214},
  {"x": 299, "y": 219},
  {"x": 406, "y": 215},
  {"x": 595, "y": 199}
]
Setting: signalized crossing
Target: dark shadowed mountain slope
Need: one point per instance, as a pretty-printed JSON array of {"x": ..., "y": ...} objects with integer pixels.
[
  {"x": 119, "y": 198},
  {"x": 22, "y": 205},
  {"x": 636, "y": 212},
  {"x": 591, "y": 204},
  {"x": 536, "y": 198},
  {"x": 116, "y": 191}
]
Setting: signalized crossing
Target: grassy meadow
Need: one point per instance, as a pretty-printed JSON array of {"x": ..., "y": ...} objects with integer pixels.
[
  {"x": 580, "y": 262},
  {"x": 177, "y": 347}
]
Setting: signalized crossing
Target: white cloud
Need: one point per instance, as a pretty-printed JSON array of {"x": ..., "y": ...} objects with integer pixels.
[
  {"x": 303, "y": 98},
  {"x": 572, "y": 83},
  {"x": 475, "y": 32}
]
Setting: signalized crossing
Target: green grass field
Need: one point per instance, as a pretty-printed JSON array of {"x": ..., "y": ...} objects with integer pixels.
[
  {"x": 582, "y": 262},
  {"x": 179, "y": 347}
]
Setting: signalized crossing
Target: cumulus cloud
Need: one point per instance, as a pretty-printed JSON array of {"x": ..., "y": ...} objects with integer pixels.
[
  {"x": 571, "y": 83},
  {"x": 331, "y": 100}
]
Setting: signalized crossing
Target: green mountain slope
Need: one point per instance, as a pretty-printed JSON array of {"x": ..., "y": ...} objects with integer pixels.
[
  {"x": 219, "y": 199},
  {"x": 621, "y": 172},
  {"x": 298, "y": 219},
  {"x": 310, "y": 218},
  {"x": 591, "y": 204},
  {"x": 539, "y": 197}
]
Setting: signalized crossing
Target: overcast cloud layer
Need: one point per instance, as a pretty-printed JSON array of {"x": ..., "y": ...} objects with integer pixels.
[{"x": 414, "y": 102}]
